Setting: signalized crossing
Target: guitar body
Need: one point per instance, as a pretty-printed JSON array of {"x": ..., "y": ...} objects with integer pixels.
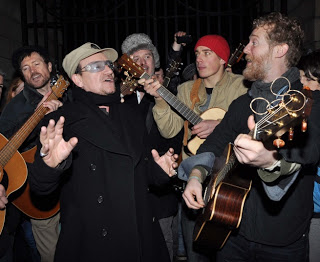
[
  {"x": 27, "y": 203},
  {"x": 18, "y": 186},
  {"x": 214, "y": 113},
  {"x": 15, "y": 166},
  {"x": 16, "y": 170},
  {"x": 223, "y": 211}
]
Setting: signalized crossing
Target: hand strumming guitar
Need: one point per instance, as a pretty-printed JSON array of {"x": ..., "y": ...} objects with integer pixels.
[
  {"x": 204, "y": 128},
  {"x": 54, "y": 148},
  {"x": 192, "y": 194}
]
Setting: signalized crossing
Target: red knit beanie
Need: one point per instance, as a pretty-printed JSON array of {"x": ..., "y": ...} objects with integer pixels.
[{"x": 217, "y": 44}]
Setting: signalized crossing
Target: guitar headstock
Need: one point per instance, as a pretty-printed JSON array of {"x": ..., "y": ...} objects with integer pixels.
[
  {"x": 126, "y": 63},
  {"x": 173, "y": 68},
  {"x": 59, "y": 86},
  {"x": 282, "y": 115},
  {"x": 128, "y": 85},
  {"x": 236, "y": 55}
]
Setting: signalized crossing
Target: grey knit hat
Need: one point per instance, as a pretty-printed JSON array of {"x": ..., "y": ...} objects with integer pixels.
[{"x": 139, "y": 41}]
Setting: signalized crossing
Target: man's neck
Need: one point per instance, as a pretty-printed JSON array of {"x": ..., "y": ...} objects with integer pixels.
[
  {"x": 275, "y": 72},
  {"x": 44, "y": 90},
  {"x": 212, "y": 80}
]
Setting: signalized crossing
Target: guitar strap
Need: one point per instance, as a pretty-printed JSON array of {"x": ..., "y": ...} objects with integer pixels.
[{"x": 194, "y": 97}]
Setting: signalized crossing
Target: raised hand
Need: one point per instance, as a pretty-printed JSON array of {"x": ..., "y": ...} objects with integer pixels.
[
  {"x": 167, "y": 162},
  {"x": 54, "y": 148}
]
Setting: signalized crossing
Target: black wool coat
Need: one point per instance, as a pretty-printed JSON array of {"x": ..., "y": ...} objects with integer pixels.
[{"x": 105, "y": 204}]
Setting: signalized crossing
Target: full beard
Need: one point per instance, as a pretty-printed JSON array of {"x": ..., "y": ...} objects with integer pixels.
[{"x": 257, "y": 70}]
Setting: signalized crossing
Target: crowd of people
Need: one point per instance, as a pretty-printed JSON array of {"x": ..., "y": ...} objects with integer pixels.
[{"x": 113, "y": 162}]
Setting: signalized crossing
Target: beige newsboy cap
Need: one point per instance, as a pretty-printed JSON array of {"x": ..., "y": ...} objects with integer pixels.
[{"x": 72, "y": 60}]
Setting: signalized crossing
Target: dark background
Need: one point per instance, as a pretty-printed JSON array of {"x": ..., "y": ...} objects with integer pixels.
[{"x": 62, "y": 26}]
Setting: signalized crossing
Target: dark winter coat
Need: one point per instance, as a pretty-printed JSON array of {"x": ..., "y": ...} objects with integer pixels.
[
  {"x": 105, "y": 209},
  {"x": 283, "y": 222}
]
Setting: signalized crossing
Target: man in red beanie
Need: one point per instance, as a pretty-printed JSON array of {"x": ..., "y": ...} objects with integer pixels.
[{"x": 215, "y": 88}]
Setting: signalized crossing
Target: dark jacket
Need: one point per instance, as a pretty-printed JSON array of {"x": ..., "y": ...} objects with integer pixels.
[
  {"x": 265, "y": 221},
  {"x": 105, "y": 205},
  {"x": 164, "y": 198}
]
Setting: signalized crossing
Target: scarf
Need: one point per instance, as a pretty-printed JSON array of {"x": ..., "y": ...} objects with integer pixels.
[{"x": 279, "y": 86}]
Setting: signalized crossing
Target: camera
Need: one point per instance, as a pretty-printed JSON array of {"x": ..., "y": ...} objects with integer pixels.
[{"x": 186, "y": 39}]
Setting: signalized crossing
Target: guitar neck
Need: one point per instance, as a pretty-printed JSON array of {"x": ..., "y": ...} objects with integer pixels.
[
  {"x": 21, "y": 135},
  {"x": 231, "y": 163},
  {"x": 173, "y": 101}
]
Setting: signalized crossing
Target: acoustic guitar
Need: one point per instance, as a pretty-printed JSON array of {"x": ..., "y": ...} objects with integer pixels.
[
  {"x": 130, "y": 84},
  {"x": 229, "y": 186},
  {"x": 213, "y": 113},
  {"x": 15, "y": 166},
  {"x": 236, "y": 55}
]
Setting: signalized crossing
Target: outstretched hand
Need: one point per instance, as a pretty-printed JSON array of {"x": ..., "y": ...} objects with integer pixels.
[
  {"x": 54, "y": 148},
  {"x": 167, "y": 162}
]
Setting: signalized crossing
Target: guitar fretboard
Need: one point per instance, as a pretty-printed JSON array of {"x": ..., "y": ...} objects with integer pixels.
[{"x": 172, "y": 100}]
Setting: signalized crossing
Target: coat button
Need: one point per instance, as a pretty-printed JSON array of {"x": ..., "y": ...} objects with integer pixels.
[
  {"x": 153, "y": 219},
  {"x": 104, "y": 232},
  {"x": 100, "y": 199},
  {"x": 146, "y": 158},
  {"x": 93, "y": 167}
]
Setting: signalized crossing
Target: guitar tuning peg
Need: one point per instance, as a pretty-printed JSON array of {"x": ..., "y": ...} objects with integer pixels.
[
  {"x": 291, "y": 133},
  {"x": 278, "y": 143},
  {"x": 304, "y": 125}
]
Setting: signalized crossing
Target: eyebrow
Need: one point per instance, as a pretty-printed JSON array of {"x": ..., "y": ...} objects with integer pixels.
[{"x": 208, "y": 49}]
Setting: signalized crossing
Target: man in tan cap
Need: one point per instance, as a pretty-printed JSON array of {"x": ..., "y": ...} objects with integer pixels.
[{"x": 105, "y": 206}]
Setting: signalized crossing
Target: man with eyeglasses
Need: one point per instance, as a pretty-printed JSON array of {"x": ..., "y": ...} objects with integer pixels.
[
  {"x": 34, "y": 66},
  {"x": 101, "y": 167}
]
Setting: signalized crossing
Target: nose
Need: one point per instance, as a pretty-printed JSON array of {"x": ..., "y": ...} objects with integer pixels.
[
  {"x": 142, "y": 61},
  {"x": 199, "y": 58},
  {"x": 108, "y": 69},
  {"x": 246, "y": 50}
]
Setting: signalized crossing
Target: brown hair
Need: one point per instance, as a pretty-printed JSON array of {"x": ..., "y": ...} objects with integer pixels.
[
  {"x": 283, "y": 30},
  {"x": 16, "y": 81}
]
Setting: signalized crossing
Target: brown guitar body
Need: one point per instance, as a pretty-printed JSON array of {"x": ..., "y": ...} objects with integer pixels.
[
  {"x": 18, "y": 187},
  {"x": 27, "y": 203},
  {"x": 223, "y": 211}
]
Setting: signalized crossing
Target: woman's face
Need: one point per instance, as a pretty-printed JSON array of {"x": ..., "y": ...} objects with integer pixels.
[{"x": 311, "y": 82}]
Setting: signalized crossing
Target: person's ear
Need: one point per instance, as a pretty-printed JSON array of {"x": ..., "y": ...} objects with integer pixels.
[
  {"x": 222, "y": 62},
  {"x": 50, "y": 67},
  {"x": 281, "y": 50},
  {"x": 77, "y": 79}
]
